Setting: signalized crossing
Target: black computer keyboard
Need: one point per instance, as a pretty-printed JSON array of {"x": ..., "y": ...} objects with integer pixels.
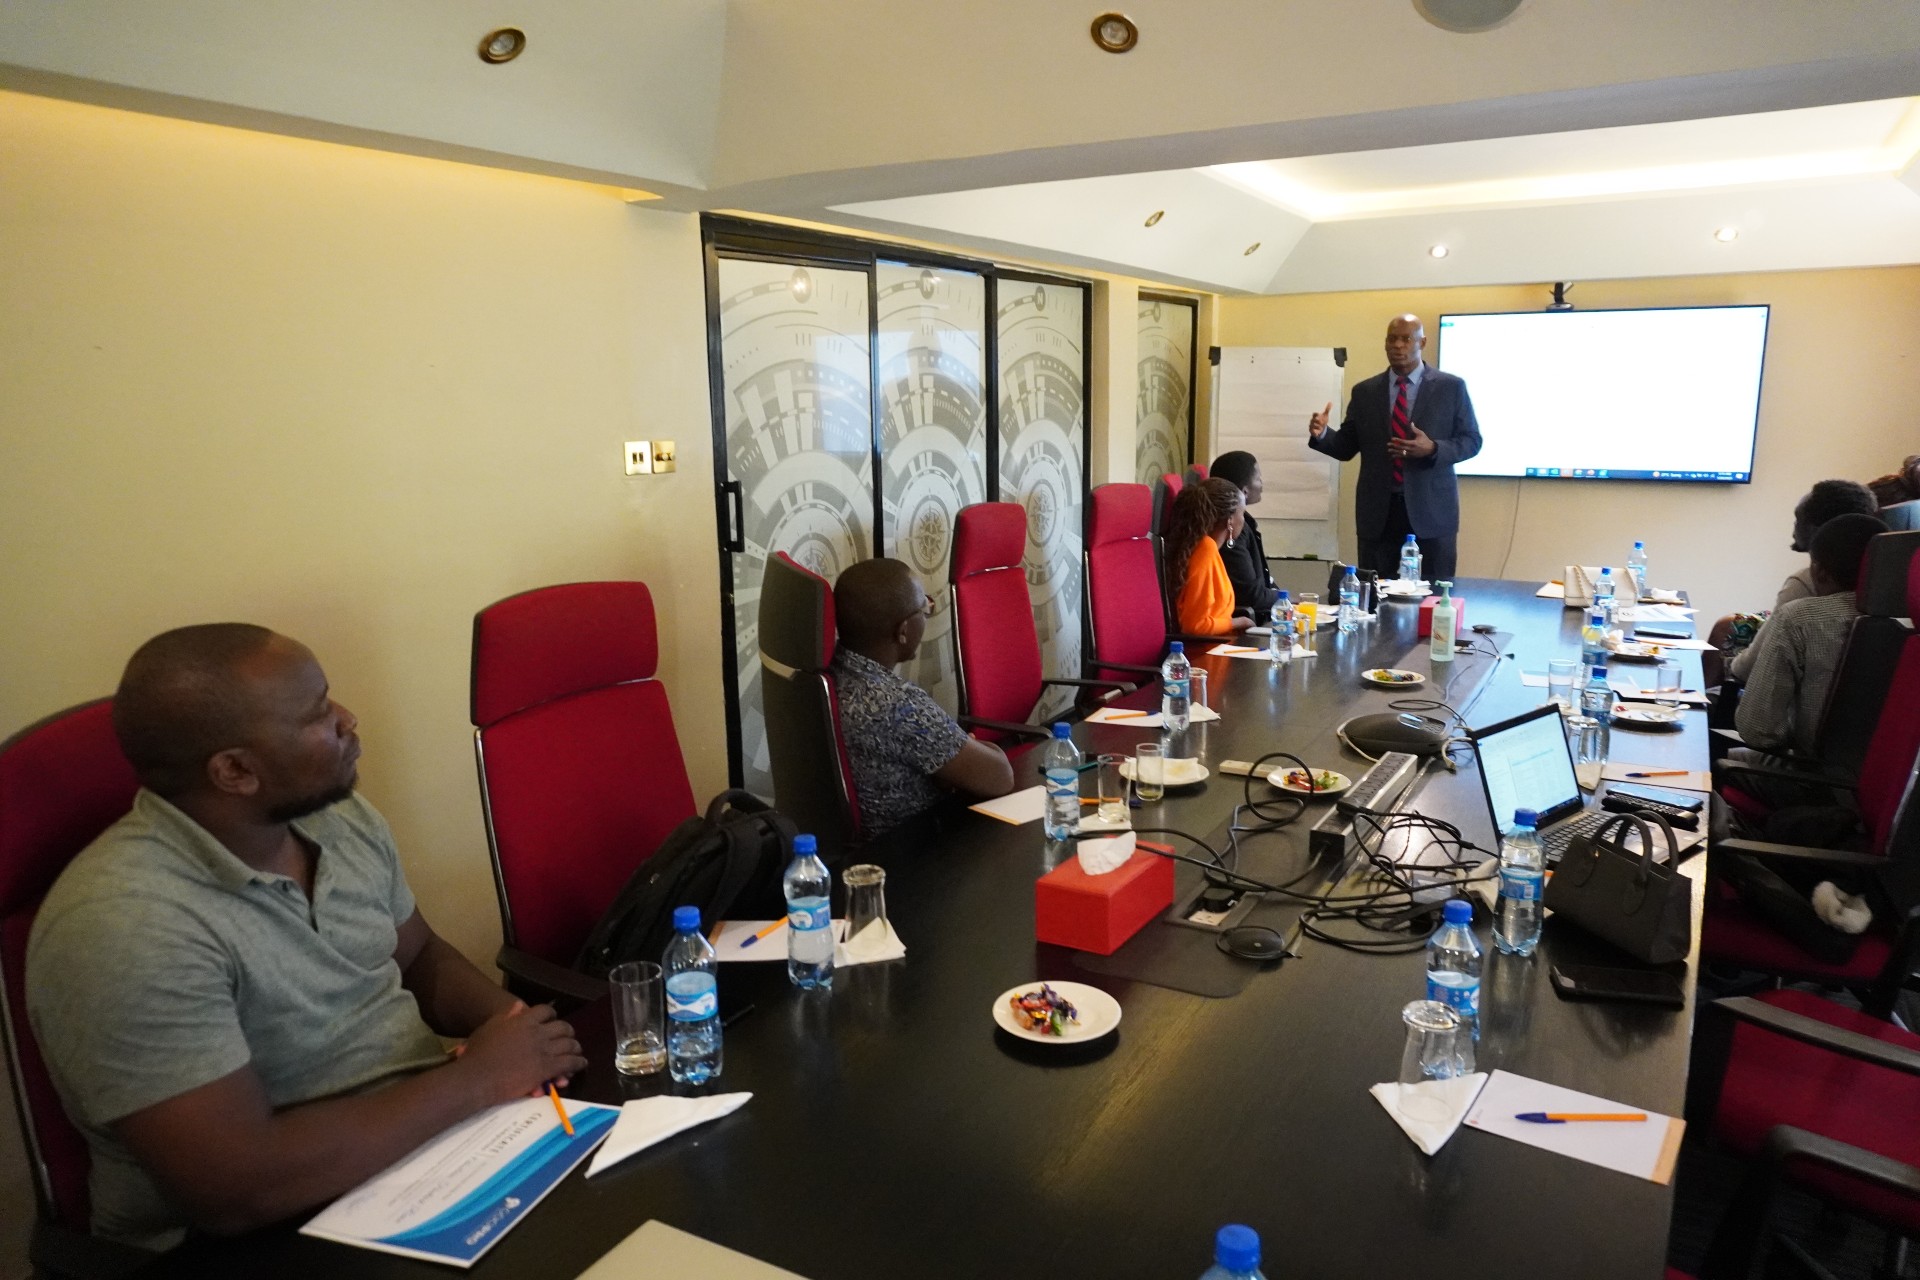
[{"x": 1556, "y": 840}]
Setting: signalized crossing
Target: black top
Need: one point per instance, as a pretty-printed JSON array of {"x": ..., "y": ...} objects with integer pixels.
[{"x": 1246, "y": 561}]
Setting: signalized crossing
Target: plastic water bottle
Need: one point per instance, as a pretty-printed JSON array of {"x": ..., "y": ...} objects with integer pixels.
[
  {"x": 1637, "y": 568},
  {"x": 1593, "y": 645},
  {"x": 1596, "y": 700},
  {"x": 1061, "y": 765},
  {"x": 809, "y": 889},
  {"x": 1453, "y": 964},
  {"x": 1603, "y": 594},
  {"x": 1176, "y": 689},
  {"x": 1349, "y": 602},
  {"x": 1410, "y": 559},
  {"x": 1236, "y": 1254},
  {"x": 1280, "y": 624},
  {"x": 693, "y": 1001},
  {"x": 1523, "y": 878},
  {"x": 1441, "y": 649}
]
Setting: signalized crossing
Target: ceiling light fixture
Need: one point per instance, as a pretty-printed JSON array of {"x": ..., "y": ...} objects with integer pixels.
[
  {"x": 1115, "y": 32},
  {"x": 1251, "y": 249},
  {"x": 1466, "y": 17},
  {"x": 503, "y": 45},
  {"x": 1438, "y": 251},
  {"x": 1727, "y": 235},
  {"x": 1153, "y": 219}
]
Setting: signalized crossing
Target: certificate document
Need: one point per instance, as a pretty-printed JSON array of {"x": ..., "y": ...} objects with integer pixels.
[{"x": 454, "y": 1197}]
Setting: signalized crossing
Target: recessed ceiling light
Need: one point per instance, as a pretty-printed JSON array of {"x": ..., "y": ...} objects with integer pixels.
[
  {"x": 503, "y": 45},
  {"x": 1727, "y": 235},
  {"x": 1115, "y": 32},
  {"x": 1466, "y": 17},
  {"x": 1153, "y": 219},
  {"x": 1438, "y": 251},
  {"x": 1251, "y": 249}
]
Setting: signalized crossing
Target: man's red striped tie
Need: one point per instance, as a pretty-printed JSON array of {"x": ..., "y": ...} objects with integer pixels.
[{"x": 1401, "y": 431}]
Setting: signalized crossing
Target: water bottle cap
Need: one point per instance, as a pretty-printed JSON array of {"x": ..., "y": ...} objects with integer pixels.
[
  {"x": 1237, "y": 1248},
  {"x": 1599, "y": 671},
  {"x": 1279, "y": 596},
  {"x": 1639, "y": 546},
  {"x": 1459, "y": 911},
  {"x": 1177, "y": 647},
  {"x": 1525, "y": 818},
  {"x": 1060, "y": 729},
  {"x": 1412, "y": 541},
  {"x": 686, "y": 919},
  {"x": 1606, "y": 572},
  {"x": 804, "y": 843}
]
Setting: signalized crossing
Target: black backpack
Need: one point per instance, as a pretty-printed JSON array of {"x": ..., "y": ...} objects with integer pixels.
[{"x": 729, "y": 860}]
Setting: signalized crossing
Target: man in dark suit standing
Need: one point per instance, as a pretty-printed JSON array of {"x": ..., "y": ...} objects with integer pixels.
[{"x": 1409, "y": 426}]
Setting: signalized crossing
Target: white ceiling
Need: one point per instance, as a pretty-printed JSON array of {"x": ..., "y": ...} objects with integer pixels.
[{"x": 1581, "y": 139}]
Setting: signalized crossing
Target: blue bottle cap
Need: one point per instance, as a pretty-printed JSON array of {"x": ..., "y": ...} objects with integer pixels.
[
  {"x": 686, "y": 919},
  {"x": 1060, "y": 729},
  {"x": 1282, "y": 596},
  {"x": 1639, "y": 546},
  {"x": 1459, "y": 911},
  {"x": 804, "y": 843},
  {"x": 1606, "y": 572},
  {"x": 1236, "y": 1248},
  {"x": 1525, "y": 818},
  {"x": 1599, "y": 672},
  {"x": 1177, "y": 646},
  {"x": 1412, "y": 539}
]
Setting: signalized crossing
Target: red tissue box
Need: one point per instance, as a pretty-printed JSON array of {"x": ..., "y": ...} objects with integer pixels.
[
  {"x": 1098, "y": 913},
  {"x": 1459, "y": 616}
]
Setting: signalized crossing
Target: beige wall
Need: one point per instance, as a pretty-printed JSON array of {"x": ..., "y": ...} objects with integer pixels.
[
  {"x": 352, "y": 396},
  {"x": 1838, "y": 399}
]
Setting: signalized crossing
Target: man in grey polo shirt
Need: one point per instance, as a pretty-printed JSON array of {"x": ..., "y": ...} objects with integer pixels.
[{"x": 238, "y": 1000}]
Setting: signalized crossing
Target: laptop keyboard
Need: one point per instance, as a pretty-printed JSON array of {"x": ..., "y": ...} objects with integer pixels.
[{"x": 1556, "y": 840}]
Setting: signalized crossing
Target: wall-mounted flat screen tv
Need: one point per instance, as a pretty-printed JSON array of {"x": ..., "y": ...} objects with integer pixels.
[{"x": 1659, "y": 394}]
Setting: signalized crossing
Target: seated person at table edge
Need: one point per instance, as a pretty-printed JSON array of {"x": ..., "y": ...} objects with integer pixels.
[
  {"x": 1204, "y": 516},
  {"x": 237, "y": 999},
  {"x": 904, "y": 748},
  {"x": 1244, "y": 555},
  {"x": 1799, "y": 649}
]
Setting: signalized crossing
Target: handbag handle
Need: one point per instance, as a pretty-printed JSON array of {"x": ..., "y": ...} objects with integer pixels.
[{"x": 1620, "y": 822}]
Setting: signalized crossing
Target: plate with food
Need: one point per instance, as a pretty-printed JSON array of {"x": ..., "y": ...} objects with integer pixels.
[
  {"x": 1321, "y": 782},
  {"x": 1403, "y": 589},
  {"x": 1635, "y": 651},
  {"x": 1393, "y": 678},
  {"x": 1647, "y": 718},
  {"x": 1186, "y": 772},
  {"x": 1056, "y": 1012}
]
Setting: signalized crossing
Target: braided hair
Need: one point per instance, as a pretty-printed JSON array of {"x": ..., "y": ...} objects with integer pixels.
[{"x": 1200, "y": 511}]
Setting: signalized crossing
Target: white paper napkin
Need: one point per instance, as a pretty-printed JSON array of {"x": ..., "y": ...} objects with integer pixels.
[
  {"x": 645, "y": 1121},
  {"x": 1430, "y": 1135},
  {"x": 874, "y": 943},
  {"x": 1098, "y": 857}
]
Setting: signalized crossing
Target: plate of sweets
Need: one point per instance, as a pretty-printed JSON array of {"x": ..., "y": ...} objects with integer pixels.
[
  {"x": 1392, "y": 678},
  {"x": 1320, "y": 782},
  {"x": 1635, "y": 651},
  {"x": 1056, "y": 1012}
]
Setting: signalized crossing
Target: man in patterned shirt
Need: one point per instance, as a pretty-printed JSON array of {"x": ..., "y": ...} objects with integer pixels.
[
  {"x": 1798, "y": 651},
  {"x": 906, "y": 751}
]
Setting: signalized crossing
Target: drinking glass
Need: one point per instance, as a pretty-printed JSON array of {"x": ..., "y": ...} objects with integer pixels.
[
  {"x": 1588, "y": 739},
  {"x": 1439, "y": 1047},
  {"x": 866, "y": 898},
  {"x": 1150, "y": 771},
  {"x": 1197, "y": 688},
  {"x": 1560, "y": 673},
  {"x": 1667, "y": 682},
  {"x": 639, "y": 1005},
  {"x": 1306, "y": 618},
  {"x": 1112, "y": 789}
]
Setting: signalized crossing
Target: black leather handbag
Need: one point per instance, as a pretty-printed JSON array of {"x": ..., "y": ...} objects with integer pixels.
[{"x": 1643, "y": 907}]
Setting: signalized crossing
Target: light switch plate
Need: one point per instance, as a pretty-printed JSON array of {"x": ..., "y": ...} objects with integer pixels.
[
  {"x": 662, "y": 456},
  {"x": 639, "y": 457}
]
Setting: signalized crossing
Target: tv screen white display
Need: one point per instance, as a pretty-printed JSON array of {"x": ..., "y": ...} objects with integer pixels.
[{"x": 1666, "y": 394}]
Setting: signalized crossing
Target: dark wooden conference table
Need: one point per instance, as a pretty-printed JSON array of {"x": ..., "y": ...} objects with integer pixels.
[{"x": 894, "y": 1131}]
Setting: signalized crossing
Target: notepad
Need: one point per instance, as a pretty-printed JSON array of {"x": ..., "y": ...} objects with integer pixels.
[
  {"x": 1144, "y": 719},
  {"x": 1646, "y": 1149},
  {"x": 1018, "y": 807},
  {"x": 657, "y": 1249},
  {"x": 729, "y": 938},
  {"x": 1691, "y": 780}
]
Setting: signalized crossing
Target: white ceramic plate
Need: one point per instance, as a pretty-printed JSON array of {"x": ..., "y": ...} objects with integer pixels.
[
  {"x": 1099, "y": 1012},
  {"x": 1642, "y": 717},
  {"x": 1382, "y": 678},
  {"x": 1635, "y": 651},
  {"x": 1340, "y": 782},
  {"x": 1179, "y": 773}
]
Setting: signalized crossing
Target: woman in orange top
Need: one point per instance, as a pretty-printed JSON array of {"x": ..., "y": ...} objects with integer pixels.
[{"x": 1204, "y": 516}]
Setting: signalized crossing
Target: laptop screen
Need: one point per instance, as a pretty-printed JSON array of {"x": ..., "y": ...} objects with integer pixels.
[{"x": 1525, "y": 764}]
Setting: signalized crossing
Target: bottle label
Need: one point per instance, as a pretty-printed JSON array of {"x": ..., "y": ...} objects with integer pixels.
[
  {"x": 1466, "y": 999},
  {"x": 692, "y": 997},
  {"x": 1521, "y": 885},
  {"x": 1062, "y": 782},
  {"x": 1175, "y": 688},
  {"x": 805, "y": 919}
]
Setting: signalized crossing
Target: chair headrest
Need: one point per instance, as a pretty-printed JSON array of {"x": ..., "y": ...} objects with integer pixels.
[
  {"x": 987, "y": 536},
  {"x": 1165, "y": 490},
  {"x": 62, "y": 782},
  {"x": 1913, "y": 590},
  {"x": 552, "y": 641},
  {"x": 1902, "y": 515},
  {"x": 1196, "y": 472},
  {"x": 797, "y": 628},
  {"x": 1121, "y": 513},
  {"x": 1882, "y": 589}
]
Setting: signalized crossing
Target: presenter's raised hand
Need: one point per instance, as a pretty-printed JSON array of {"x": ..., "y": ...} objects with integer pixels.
[
  {"x": 1317, "y": 424},
  {"x": 1418, "y": 445}
]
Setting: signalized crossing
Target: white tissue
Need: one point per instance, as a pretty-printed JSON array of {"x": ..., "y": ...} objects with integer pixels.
[
  {"x": 1847, "y": 912},
  {"x": 1097, "y": 857}
]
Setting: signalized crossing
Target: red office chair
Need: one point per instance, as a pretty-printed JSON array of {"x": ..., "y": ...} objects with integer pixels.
[
  {"x": 996, "y": 648},
  {"x": 1127, "y": 631},
  {"x": 812, "y": 775},
  {"x": 581, "y": 776},
  {"x": 1826, "y": 1097},
  {"x": 1165, "y": 490},
  {"x": 62, "y": 782}
]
